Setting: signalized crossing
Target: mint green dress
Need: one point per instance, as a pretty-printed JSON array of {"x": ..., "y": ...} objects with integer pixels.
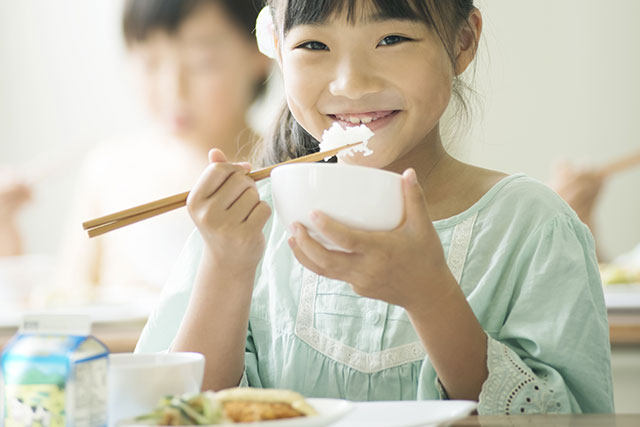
[{"x": 527, "y": 267}]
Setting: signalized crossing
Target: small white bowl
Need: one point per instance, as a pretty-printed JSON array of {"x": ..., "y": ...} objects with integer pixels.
[
  {"x": 361, "y": 197},
  {"x": 137, "y": 381}
]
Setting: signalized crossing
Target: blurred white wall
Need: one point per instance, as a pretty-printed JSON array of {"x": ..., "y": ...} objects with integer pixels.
[
  {"x": 558, "y": 78},
  {"x": 63, "y": 88}
]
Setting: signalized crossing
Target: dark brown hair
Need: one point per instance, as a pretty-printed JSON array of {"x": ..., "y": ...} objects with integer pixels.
[
  {"x": 445, "y": 17},
  {"x": 142, "y": 17}
]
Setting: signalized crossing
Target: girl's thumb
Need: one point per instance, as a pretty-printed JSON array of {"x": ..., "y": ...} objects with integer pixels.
[
  {"x": 217, "y": 156},
  {"x": 414, "y": 202}
]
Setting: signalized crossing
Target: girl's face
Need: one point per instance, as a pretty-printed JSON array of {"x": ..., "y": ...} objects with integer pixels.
[
  {"x": 201, "y": 79},
  {"x": 393, "y": 75}
]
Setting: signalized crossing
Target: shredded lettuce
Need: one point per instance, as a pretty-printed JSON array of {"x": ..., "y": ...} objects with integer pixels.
[{"x": 191, "y": 409}]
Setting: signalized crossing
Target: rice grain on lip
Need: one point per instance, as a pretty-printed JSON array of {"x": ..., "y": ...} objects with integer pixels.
[{"x": 337, "y": 136}]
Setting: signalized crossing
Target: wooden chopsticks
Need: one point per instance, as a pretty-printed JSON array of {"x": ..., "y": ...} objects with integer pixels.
[{"x": 104, "y": 224}]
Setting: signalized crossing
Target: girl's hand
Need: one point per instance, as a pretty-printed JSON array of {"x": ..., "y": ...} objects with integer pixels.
[
  {"x": 405, "y": 267},
  {"x": 226, "y": 208}
]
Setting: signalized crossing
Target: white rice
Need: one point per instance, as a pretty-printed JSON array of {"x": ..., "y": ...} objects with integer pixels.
[{"x": 337, "y": 136}]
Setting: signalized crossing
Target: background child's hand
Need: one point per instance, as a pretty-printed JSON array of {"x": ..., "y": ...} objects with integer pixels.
[
  {"x": 405, "y": 266},
  {"x": 579, "y": 187},
  {"x": 14, "y": 194},
  {"x": 226, "y": 208}
]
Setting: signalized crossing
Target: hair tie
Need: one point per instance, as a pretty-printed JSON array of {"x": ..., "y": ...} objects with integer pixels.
[{"x": 265, "y": 33}]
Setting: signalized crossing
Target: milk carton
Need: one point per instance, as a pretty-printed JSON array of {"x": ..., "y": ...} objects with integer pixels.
[{"x": 54, "y": 374}]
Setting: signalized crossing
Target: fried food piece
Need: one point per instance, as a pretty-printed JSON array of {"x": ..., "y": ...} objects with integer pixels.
[
  {"x": 246, "y": 404},
  {"x": 244, "y": 412}
]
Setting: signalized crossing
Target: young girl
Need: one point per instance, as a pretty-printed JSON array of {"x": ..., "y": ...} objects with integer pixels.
[{"x": 489, "y": 290}]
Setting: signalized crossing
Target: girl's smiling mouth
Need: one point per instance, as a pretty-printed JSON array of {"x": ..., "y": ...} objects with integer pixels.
[{"x": 373, "y": 119}]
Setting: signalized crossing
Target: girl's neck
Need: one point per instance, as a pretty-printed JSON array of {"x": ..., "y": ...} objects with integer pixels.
[{"x": 427, "y": 158}]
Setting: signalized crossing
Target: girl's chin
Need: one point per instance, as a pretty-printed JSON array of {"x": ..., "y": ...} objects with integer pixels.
[{"x": 359, "y": 159}]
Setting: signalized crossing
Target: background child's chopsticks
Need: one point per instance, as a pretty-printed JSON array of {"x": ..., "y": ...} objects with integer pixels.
[{"x": 102, "y": 225}]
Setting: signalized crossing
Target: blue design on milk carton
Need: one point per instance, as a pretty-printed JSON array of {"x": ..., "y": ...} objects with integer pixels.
[{"x": 54, "y": 374}]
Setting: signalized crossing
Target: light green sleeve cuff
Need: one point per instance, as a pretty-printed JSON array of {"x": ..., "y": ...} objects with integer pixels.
[{"x": 513, "y": 388}]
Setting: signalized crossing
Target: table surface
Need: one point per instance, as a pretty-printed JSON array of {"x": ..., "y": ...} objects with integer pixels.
[
  {"x": 599, "y": 420},
  {"x": 121, "y": 337},
  {"x": 624, "y": 327}
]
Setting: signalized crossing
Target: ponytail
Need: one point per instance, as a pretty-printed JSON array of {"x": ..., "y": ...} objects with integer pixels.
[{"x": 288, "y": 140}]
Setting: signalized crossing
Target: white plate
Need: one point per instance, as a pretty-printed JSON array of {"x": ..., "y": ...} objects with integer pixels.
[
  {"x": 329, "y": 411},
  {"x": 407, "y": 413}
]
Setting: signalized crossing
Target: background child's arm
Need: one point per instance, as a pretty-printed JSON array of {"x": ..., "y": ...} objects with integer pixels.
[
  {"x": 14, "y": 194},
  {"x": 227, "y": 210}
]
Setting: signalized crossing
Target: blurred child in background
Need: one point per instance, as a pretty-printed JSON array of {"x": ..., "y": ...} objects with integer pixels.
[{"x": 200, "y": 71}]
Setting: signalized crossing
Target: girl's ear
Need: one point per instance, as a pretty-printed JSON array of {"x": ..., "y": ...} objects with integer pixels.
[{"x": 468, "y": 39}]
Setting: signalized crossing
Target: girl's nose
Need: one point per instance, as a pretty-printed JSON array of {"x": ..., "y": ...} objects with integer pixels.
[{"x": 354, "y": 79}]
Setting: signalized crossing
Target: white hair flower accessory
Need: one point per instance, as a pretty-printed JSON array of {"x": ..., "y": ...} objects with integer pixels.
[{"x": 266, "y": 33}]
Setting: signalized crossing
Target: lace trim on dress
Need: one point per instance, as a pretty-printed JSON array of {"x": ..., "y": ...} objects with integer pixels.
[
  {"x": 354, "y": 358},
  {"x": 381, "y": 360},
  {"x": 244, "y": 381},
  {"x": 512, "y": 387},
  {"x": 460, "y": 246}
]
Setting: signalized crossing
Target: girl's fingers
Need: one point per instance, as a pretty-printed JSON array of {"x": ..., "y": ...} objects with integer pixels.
[
  {"x": 332, "y": 264},
  {"x": 414, "y": 202},
  {"x": 340, "y": 234},
  {"x": 233, "y": 188},
  {"x": 217, "y": 156},
  {"x": 244, "y": 205},
  {"x": 302, "y": 257},
  {"x": 213, "y": 177},
  {"x": 258, "y": 216}
]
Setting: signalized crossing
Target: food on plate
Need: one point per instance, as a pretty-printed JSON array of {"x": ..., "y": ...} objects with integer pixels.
[
  {"x": 234, "y": 405},
  {"x": 190, "y": 409},
  {"x": 337, "y": 136},
  {"x": 246, "y": 404},
  {"x": 617, "y": 274}
]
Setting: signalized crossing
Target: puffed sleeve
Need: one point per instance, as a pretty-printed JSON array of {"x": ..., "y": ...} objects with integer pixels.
[
  {"x": 164, "y": 322},
  {"x": 552, "y": 353},
  {"x": 250, "y": 376}
]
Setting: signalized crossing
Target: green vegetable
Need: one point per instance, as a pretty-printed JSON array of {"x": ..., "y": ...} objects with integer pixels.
[{"x": 190, "y": 409}]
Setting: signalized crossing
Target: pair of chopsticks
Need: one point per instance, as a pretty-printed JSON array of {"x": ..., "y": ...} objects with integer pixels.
[{"x": 107, "y": 223}]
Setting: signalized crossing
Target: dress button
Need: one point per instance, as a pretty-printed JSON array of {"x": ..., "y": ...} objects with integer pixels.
[{"x": 372, "y": 317}]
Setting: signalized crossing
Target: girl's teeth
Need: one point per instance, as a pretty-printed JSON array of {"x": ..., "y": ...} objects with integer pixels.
[
  {"x": 354, "y": 120},
  {"x": 366, "y": 120}
]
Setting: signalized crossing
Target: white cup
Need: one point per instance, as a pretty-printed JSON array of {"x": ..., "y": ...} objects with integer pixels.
[{"x": 138, "y": 381}]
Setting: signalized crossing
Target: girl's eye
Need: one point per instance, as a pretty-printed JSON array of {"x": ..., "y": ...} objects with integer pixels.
[
  {"x": 389, "y": 40},
  {"x": 313, "y": 45}
]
